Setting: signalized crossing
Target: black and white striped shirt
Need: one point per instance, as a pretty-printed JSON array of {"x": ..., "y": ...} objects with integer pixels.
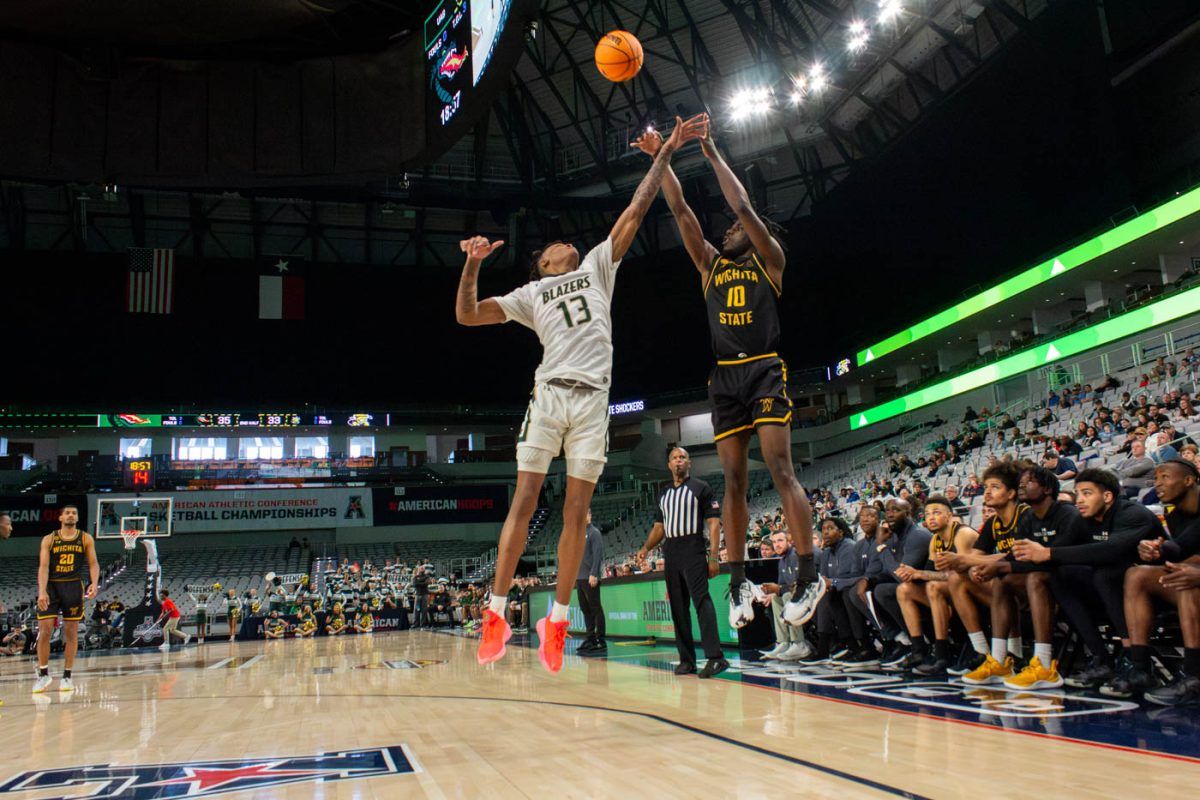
[{"x": 682, "y": 509}]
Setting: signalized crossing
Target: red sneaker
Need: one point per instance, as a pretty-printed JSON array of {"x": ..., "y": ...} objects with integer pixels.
[
  {"x": 495, "y": 634},
  {"x": 552, "y": 640}
]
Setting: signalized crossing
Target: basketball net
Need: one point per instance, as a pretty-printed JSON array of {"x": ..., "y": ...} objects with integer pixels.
[{"x": 131, "y": 538}]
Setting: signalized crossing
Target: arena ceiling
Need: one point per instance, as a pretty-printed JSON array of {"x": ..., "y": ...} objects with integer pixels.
[{"x": 551, "y": 157}]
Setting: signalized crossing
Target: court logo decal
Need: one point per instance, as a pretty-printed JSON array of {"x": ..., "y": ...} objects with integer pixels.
[
  {"x": 985, "y": 700},
  {"x": 148, "y": 630},
  {"x": 209, "y": 778}
]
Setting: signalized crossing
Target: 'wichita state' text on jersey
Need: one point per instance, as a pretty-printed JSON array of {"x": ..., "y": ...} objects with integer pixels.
[
  {"x": 66, "y": 558},
  {"x": 742, "y": 314}
]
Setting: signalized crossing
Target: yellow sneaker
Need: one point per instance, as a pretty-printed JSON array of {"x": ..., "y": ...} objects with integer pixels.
[
  {"x": 990, "y": 671},
  {"x": 1035, "y": 676}
]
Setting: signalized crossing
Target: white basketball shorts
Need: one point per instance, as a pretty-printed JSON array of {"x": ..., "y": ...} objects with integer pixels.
[{"x": 571, "y": 421}]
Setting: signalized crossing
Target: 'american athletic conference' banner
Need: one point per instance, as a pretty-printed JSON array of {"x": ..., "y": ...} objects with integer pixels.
[
  {"x": 434, "y": 505},
  {"x": 266, "y": 509}
]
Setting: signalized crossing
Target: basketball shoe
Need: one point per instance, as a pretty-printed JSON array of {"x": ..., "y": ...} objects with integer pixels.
[
  {"x": 803, "y": 604},
  {"x": 496, "y": 634},
  {"x": 65, "y": 685},
  {"x": 43, "y": 683},
  {"x": 552, "y": 640},
  {"x": 1035, "y": 676},
  {"x": 990, "y": 671},
  {"x": 742, "y": 597}
]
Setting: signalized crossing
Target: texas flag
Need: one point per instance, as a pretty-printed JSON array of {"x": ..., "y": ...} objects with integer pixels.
[{"x": 281, "y": 287}]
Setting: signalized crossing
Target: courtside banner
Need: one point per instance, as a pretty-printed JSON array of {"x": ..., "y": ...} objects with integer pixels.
[
  {"x": 433, "y": 505},
  {"x": 37, "y": 514},
  {"x": 639, "y": 609},
  {"x": 265, "y": 509}
]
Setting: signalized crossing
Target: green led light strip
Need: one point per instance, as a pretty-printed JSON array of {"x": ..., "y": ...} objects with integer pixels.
[
  {"x": 1079, "y": 255},
  {"x": 1072, "y": 344}
]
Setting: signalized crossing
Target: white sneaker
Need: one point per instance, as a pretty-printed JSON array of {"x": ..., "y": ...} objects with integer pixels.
[
  {"x": 741, "y": 603},
  {"x": 776, "y": 652},
  {"x": 799, "y": 650},
  {"x": 187, "y": 637},
  {"x": 43, "y": 683},
  {"x": 164, "y": 646},
  {"x": 65, "y": 685},
  {"x": 800, "y": 609}
]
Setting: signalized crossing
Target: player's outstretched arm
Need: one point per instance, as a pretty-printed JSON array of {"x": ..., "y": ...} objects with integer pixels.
[
  {"x": 739, "y": 201},
  {"x": 698, "y": 248},
  {"x": 628, "y": 223},
  {"x": 467, "y": 308}
]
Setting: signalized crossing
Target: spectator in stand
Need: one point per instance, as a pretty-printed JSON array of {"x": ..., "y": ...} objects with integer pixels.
[
  {"x": 973, "y": 488},
  {"x": 1159, "y": 449},
  {"x": 1064, "y": 468},
  {"x": 1190, "y": 453},
  {"x": 957, "y": 506},
  {"x": 970, "y": 415},
  {"x": 765, "y": 550},
  {"x": 1137, "y": 471}
]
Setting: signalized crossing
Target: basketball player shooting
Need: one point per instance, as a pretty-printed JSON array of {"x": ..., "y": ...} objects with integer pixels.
[
  {"x": 742, "y": 283},
  {"x": 567, "y": 304},
  {"x": 60, "y": 591}
]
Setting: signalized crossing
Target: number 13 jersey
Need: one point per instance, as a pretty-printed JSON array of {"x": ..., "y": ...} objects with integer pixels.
[
  {"x": 743, "y": 317},
  {"x": 571, "y": 314}
]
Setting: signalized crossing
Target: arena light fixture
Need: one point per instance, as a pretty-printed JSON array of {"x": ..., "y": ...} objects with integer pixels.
[
  {"x": 751, "y": 102},
  {"x": 1072, "y": 344},
  {"x": 817, "y": 79},
  {"x": 857, "y": 41},
  {"x": 1142, "y": 225},
  {"x": 889, "y": 10}
]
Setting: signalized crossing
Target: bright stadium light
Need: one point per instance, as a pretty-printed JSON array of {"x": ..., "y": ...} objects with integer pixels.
[
  {"x": 751, "y": 102},
  {"x": 858, "y": 37},
  {"x": 889, "y": 10},
  {"x": 817, "y": 79}
]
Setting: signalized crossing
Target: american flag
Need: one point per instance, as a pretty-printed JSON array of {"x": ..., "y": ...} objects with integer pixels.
[{"x": 150, "y": 284}]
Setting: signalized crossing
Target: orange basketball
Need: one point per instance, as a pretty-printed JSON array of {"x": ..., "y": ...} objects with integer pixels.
[{"x": 619, "y": 56}]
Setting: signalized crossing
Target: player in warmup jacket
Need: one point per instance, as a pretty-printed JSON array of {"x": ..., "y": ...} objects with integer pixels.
[
  {"x": 567, "y": 304},
  {"x": 742, "y": 283},
  {"x": 1092, "y": 574}
]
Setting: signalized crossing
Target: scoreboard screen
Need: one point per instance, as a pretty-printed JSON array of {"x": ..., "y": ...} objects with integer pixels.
[
  {"x": 462, "y": 39},
  {"x": 138, "y": 473}
]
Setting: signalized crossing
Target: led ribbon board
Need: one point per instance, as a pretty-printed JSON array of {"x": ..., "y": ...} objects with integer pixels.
[
  {"x": 1119, "y": 236},
  {"x": 1072, "y": 344}
]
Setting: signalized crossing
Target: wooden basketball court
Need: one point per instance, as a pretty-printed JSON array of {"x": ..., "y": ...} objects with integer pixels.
[{"x": 412, "y": 715}]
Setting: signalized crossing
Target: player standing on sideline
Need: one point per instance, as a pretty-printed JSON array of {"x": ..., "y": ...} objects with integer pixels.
[
  {"x": 567, "y": 303},
  {"x": 742, "y": 284},
  {"x": 60, "y": 591}
]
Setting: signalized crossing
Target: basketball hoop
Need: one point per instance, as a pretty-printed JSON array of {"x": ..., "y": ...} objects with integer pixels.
[{"x": 130, "y": 537}]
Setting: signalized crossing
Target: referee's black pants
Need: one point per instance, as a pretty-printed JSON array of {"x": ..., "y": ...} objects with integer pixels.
[
  {"x": 589, "y": 604},
  {"x": 686, "y": 573}
]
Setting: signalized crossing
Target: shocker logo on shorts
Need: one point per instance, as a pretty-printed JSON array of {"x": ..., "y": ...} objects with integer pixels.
[{"x": 767, "y": 405}]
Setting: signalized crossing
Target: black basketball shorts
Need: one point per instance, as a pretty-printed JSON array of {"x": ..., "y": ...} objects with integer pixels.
[
  {"x": 748, "y": 392},
  {"x": 66, "y": 598}
]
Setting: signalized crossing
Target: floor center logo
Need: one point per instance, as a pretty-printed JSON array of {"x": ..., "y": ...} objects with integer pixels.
[{"x": 210, "y": 778}]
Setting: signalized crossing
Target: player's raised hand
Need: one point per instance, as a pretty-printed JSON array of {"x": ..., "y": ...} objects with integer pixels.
[
  {"x": 649, "y": 142},
  {"x": 695, "y": 127},
  {"x": 478, "y": 248}
]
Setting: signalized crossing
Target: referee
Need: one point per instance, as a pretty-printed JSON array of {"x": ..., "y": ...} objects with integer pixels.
[{"x": 685, "y": 509}]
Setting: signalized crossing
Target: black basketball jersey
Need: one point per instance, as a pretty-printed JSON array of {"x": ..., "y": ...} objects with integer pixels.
[
  {"x": 66, "y": 557},
  {"x": 743, "y": 315}
]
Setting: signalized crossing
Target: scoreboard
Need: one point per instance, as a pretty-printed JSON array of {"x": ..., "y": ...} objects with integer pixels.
[
  {"x": 461, "y": 37},
  {"x": 138, "y": 473}
]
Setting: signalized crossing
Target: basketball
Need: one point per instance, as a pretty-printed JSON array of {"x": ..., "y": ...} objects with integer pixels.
[{"x": 619, "y": 56}]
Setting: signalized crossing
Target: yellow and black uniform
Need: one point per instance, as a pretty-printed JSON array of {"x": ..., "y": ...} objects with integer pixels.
[
  {"x": 998, "y": 536},
  {"x": 748, "y": 387},
  {"x": 938, "y": 545},
  {"x": 65, "y": 586}
]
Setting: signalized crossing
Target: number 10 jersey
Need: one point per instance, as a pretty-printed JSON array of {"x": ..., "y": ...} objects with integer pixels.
[{"x": 571, "y": 315}]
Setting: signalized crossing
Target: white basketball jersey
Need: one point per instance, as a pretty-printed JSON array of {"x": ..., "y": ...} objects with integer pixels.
[{"x": 571, "y": 314}]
